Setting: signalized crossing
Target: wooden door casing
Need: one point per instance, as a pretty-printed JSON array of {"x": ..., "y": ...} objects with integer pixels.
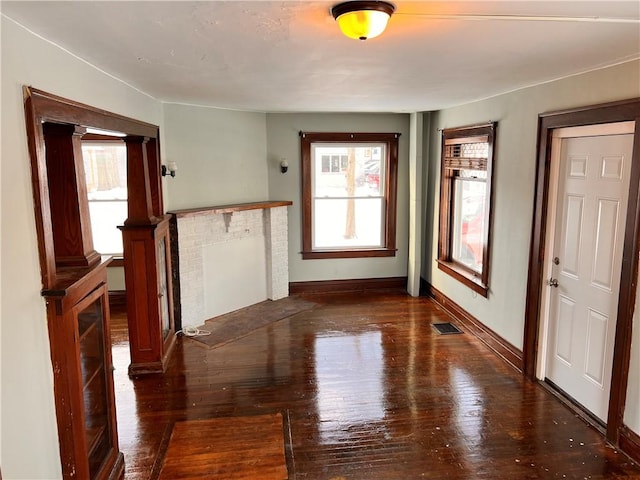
[{"x": 622, "y": 111}]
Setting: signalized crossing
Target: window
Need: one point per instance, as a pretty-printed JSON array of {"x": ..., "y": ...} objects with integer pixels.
[
  {"x": 105, "y": 167},
  {"x": 349, "y": 194},
  {"x": 465, "y": 204}
]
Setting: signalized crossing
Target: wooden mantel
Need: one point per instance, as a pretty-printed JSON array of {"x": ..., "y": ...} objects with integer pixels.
[{"x": 237, "y": 207}]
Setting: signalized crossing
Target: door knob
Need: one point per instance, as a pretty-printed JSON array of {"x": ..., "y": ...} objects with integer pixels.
[{"x": 552, "y": 282}]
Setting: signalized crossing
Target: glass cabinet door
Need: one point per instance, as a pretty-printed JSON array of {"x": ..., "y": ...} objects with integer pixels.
[
  {"x": 165, "y": 314},
  {"x": 93, "y": 365}
]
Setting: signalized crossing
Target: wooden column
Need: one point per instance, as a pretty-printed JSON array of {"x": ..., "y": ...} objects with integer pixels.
[
  {"x": 71, "y": 224},
  {"x": 155, "y": 179},
  {"x": 147, "y": 262},
  {"x": 140, "y": 208}
]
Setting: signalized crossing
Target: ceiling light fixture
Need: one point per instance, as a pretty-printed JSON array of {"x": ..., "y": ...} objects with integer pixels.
[{"x": 362, "y": 19}]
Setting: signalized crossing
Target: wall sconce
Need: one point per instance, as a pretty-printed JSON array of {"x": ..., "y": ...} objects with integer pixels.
[
  {"x": 169, "y": 169},
  {"x": 284, "y": 166}
]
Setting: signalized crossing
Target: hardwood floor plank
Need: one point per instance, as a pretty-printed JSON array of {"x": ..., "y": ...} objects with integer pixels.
[{"x": 372, "y": 392}]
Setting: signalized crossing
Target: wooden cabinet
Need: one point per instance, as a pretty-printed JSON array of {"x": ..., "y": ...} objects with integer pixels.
[
  {"x": 83, "y": 373},
  {"x": 147, "y": 263},
  {"x": 74, "y": 274}
]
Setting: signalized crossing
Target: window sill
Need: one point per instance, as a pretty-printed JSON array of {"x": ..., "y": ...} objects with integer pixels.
[
  {"x": 378, "y": 252},
  {"x": 116, "y": 262},
  {"x": 464, "y": 276}
]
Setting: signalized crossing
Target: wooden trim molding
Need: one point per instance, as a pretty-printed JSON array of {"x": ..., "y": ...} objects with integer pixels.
[
  {"x": 495, "y": 342},
  {"x": 452, "y": 161},
  {"x": 630, "y": 443},
  {"x": 364, "y": 253},
  {"x": 358, "y": 284},
  {"x": 175, "y": 272},
  {"x": 116, "y": 262},
  {"x": 44, "y": 108},
  {"x": 117, "y": 298},
  {"x": 238, "y": 207},
  {"x": 388, "y": 244},
  {"x": 627, "y": 110}
]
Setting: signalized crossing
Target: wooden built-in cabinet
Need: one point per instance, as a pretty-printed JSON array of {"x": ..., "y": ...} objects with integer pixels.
[
  {"x": 149, "y": 295},
  {"x": 74, "y": 279},
  {"x": 147, "y": 261},
  {"x": 78, "y": 321}
]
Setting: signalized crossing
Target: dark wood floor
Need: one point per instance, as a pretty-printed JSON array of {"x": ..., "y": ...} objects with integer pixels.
[{"x": 368, "y": 391}]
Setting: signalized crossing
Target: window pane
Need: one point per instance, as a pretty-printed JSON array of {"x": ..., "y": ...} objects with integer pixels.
[
  {"x": 355, "y": 223},
  {"x": 373, "y": 174},
  {"x": 349, "y": 212},
  {"x": 355, "y": 171},
  {"x": 105, "y": 165},
  {"x": 468, "y": 223},
  {"x": 105, "y": 218}
]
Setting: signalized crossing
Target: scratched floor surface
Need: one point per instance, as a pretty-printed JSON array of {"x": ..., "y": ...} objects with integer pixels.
[{"x": 368, "y": 390}]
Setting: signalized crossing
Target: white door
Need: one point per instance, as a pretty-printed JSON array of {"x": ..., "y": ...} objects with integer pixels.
[{"x": 591, "y": 206}]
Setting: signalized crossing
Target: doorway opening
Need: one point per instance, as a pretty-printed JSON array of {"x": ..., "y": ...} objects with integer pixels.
[
  {"x": 543, "y": 277},
  {"x": 589, "y": 183}
]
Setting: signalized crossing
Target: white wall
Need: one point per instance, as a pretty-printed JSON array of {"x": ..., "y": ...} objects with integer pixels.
[
  {"x": 29, "y": 434},
  {"x": 513, "y": 185},
  {"x": 283, "y": 141},
  {"x": 221, "y": 156}
]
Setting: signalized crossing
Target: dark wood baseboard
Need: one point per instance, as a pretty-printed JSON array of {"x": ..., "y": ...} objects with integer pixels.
[
  {"x": 495, "y": 342},
  {"x": 117, "y": 298},
  {"x": 573, "y": 405},
  {"x": 630, "y": 443},
  {"x": 358, "y": 284}
]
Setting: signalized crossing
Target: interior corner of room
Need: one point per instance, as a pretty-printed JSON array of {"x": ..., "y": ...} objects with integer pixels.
[{"x": 222, "y": 225}]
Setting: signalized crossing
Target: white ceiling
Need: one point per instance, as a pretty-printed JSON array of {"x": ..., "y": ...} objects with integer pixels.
[{"x": 290, "y": 56}]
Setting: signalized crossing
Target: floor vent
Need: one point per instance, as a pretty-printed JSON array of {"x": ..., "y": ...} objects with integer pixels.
[{"x": 446, "y": 328}]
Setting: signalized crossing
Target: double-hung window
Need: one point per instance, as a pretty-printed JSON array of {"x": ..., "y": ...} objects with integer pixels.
[
  {"x": 465, "y": 204},
  {"x": 105, "y": 166},
  {"x": 349, "y": 194}
]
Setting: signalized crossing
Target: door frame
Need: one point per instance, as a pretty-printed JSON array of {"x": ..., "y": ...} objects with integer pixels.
[{"x": 626, "y": 110}]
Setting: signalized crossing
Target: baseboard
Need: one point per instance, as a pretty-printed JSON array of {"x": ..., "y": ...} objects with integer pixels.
[
  {"x": 358, "y": 284},
  {"x": 117, "y": 298},
  {"x": 630, "y": 443},
  {"x": 495, "y": 342}
]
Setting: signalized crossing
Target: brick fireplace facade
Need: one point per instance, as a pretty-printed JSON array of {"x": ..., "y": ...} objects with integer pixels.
[{"x": 230, "y": 257}]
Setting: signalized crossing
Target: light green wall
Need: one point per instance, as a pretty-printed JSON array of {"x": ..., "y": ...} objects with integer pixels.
[
  {"x": 513, "y": 185},
  {"x": 283, "y": 141},
  {"x": 513, "y": 190},
  {"x": 115, "y": 279},
  {"x": 29, "y": 440},
  {"x": 220, "y": 155},
  {"x": 230, "y": 157}
]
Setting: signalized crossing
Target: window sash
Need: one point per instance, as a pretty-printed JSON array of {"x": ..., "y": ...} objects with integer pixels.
[
  {"x": 465, "y": 205},
  {"x": 468, "y": 219},
  {"x": 380, "y": 191},
  {"x": 330, "y": 226},
  {"x": 105, "y": 165}
]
